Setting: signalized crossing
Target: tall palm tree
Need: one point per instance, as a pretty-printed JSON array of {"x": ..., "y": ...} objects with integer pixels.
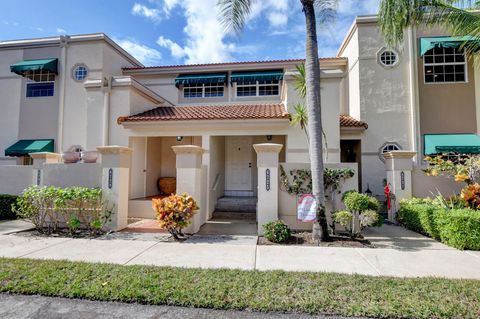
[
  {"x": 456, "y": 16},
  {"x": 233, "y": 14}
]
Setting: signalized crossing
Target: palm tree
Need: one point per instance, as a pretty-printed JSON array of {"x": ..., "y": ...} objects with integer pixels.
[
  {"x": 233, "y": 14},
  {"x": 456, "y": 16}
]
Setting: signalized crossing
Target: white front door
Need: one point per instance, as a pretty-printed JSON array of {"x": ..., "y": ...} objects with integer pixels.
[{"x": 238, "y": 163}]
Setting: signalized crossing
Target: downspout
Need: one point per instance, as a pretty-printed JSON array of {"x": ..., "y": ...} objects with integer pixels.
[
  {"x": 106, "y": 87},
  {"x": 414, "y": 100},
  {"x": 63, "y": 78}
]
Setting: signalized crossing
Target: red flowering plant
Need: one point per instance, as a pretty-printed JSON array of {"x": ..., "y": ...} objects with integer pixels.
[{"x": 175, "y": 212}]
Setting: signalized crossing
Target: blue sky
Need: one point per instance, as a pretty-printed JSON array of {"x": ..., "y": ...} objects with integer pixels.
[{"x": 163, "y": 32}]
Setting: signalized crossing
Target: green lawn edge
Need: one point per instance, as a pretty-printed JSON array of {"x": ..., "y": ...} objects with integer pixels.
[{"x": 272, "y": 291}]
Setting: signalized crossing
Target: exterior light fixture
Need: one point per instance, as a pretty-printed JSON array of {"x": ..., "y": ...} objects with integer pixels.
[
  {"x": 269, "y": 137},
  {"x": 179, "y": 138}
]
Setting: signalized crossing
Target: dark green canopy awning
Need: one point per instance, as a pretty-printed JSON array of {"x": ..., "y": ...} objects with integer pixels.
[
  {"x": 211, "y": 78},
  {"x": 427, "y": 44},
  {"x": 451, "y": 143},
  {"x": 241, "y": 77},
  {"x": 25, "y": 147},
  {"x": 35, "y": 65}
]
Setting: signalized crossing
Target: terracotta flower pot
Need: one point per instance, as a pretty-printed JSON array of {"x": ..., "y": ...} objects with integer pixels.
[
  {"x": 167, "y": 185},
  {"x": 70, "y": 157},
  {"x": 89, "y": 156}
]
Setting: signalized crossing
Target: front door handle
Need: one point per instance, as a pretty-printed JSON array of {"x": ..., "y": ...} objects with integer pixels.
[{"x": 250, "y": 165}]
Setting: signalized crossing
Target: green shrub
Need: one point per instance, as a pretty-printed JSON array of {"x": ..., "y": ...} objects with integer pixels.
[
  {"x": 6, "y": 210},
  {"x": 368, "y": 218},
  {"x": 276, "y": 232},
  {"x": 459, "y": 228},
  {"x": 344, "y": 218},
  {"x": 356, "y": 202},
  {"x": 50, "y": 208}
]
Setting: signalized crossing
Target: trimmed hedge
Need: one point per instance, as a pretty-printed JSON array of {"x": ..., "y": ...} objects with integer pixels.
[
  {"x": 6, "y": 202},
  {"x": 459, "y": 228}
]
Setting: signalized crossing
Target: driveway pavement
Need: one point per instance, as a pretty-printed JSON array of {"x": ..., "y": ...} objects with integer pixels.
[
  {"x": 33, "y": 307},
  {"x": 400, "y": 253}
]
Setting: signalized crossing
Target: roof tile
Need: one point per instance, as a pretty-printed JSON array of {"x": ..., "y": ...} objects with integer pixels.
[{"x": 348, "y": 121}]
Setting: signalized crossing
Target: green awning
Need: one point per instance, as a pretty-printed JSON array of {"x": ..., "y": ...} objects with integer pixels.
[
  {"x": 451, "y": 143},
  {"x": 211, "y": 78},
  {"x": 25, "y": 147},
  {"x": 241, "y": 77},
  {"x": 427, "y": 44},
  {"x": 22, "y": 67}
]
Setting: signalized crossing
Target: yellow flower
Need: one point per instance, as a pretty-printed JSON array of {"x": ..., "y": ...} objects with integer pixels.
[
  {"x": 461, "y": 178},
  {"x": 434, "y": 172}
]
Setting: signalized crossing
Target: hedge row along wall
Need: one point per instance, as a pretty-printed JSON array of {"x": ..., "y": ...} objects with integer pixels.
[{"x": 459, "y": 228}]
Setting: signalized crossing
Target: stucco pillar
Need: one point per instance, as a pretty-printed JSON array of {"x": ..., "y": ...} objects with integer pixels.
[
  {"x": 267, "y": 164},
  {"x": 116, "y": 163},
  {"x": 399, "y": 165},
  {"x": 189, "y": 179},
  {"x": 39, "y": 159}
]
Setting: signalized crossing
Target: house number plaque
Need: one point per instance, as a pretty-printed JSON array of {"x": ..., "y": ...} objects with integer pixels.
[
  {"x": 267, "y": 179},
  {"x": 110, "y": 178},
  {"x": 39, "y": 174},
  {"x": 402, "y": 180}
]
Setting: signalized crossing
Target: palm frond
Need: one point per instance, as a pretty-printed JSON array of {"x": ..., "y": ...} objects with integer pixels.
[
  {"x": 233, "y": 14},
  {"x": 299, "y": 81},
  {"x": 395, "y": 16}
]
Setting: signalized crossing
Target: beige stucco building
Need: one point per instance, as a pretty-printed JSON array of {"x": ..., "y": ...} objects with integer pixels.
[{"x": 85, "y": 91}]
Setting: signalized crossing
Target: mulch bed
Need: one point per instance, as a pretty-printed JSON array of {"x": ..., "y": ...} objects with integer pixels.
[
  {"x": 304, "y": 238},
  {"x": 61, "y": 233}
]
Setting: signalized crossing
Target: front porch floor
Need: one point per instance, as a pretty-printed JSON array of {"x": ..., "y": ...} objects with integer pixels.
[{"x": 227, "y": 226}]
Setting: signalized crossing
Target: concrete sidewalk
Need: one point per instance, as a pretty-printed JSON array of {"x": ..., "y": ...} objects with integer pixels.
[{"x": 401, "y": 253}]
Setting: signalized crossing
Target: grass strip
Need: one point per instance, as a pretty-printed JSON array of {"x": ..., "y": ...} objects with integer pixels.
[{"x": 313, "y": 293}]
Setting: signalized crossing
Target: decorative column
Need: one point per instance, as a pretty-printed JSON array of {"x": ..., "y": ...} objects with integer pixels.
[
  {"x": 39, "y": 159},
  {"x": 399, "y": 165},
  {"x": 267, "y": 164},
  {"x": 116, "y": 163},
  {"x": 189, "y": 179}
]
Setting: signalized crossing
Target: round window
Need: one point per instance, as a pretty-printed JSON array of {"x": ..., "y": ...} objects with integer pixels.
[
  {"x": 80, "y": 72},
  {"x": 388, "y": 58},
  {"x": 387, "y": 147}
]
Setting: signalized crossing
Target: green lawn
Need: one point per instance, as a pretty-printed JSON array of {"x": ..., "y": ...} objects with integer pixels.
[{"x": 314, "y": 293}]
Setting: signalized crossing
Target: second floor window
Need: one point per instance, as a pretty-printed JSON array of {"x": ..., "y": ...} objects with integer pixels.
[
  {"x": 259, "y": 88},
  {"x": 40, "y": 84},
  {"x": 203, "y": 90},
  {"x": 445, "y": 65}
]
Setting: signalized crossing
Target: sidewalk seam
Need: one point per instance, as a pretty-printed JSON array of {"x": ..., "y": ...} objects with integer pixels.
[
  {"x": 367, "y": 261},
  {"x": 255, "y": 256},
  {"x": 24, "y": 255},
  {"x": 141, "y": 253}
]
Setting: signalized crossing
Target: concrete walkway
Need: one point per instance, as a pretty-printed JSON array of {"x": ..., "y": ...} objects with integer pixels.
[
  {"x": 33, "y": 307},
  {"x": 401, "y": 253}
]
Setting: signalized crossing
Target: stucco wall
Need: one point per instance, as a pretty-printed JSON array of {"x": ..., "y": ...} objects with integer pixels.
[
  {"x": 78, "y": 174},
  {"x": 154, "y": 165},
  {"x": 15, "y": 178},
  {"x": 216, "y": 185},
  {"x": 431, "y": 186},
  {"x": 287, "y": 204}
]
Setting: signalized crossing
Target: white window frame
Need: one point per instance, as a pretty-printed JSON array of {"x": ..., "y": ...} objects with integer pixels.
[
  {"x": 203, "y": 86},
  {"x": 385, "y": 50},
  {"x": 30, "y": 81},
  {"x": 382, "y": 148},
  {"x": 74, "y": 69},
  {"x": 464, "y": 63},
  {"x": 257, "y": 86}
]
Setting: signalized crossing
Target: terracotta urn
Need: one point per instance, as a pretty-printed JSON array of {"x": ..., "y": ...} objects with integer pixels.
[
  {"x": 70, "y": 157},
  {"x": 89, "y": 156},
  {"x": 167, "y": 185}
]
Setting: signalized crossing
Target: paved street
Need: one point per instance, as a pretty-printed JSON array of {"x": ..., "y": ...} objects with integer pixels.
[
  {"x": 33, "y": 307},
  {"x": 400, "y": 253}
]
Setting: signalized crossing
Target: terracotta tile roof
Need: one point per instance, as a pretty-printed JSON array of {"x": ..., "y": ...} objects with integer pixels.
[
  {"x": 348, "y": 121},
  {"x": 210, "y": 112},
  {"x": 231, "y": 63}
]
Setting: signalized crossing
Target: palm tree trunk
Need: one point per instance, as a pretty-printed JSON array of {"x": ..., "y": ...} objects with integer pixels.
[{"x": 312, "y": 70}]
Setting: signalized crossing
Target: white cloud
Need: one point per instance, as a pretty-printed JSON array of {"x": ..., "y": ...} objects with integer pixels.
[
  {"x": 355, "y": 7},
  {"x": 144, "y": 11},
  {"x": 277, "y": 19},
  {"x": 205, "y": 41},
  {"x": 39, "y": 29},
  {"x": 145, "y": 54},
  {"x": 61, "y": 31},
  {"x": 277, "y": 12}
]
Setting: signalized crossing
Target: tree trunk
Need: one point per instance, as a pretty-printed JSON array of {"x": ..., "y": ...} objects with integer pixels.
[{"x": 312, "y": 70}]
